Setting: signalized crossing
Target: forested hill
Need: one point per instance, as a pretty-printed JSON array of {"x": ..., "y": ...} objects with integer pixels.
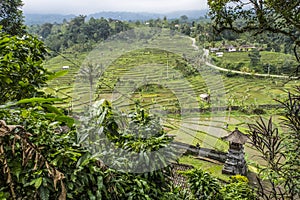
[{"x": 31, "y": 19}]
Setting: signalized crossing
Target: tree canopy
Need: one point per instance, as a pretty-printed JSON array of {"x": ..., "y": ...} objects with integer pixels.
[
  {"x": 275, "y": 16},
  {"x": 21, "y": 69},
  {"x": 11, "y": 17}
]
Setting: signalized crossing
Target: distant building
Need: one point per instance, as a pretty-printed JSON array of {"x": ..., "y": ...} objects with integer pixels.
[
  {"x": 205, "y": 97},
  {"x": 235, "y": 162},
  {"x": 246, "y": 48},
  {"x": 219, "y": 54},
  {"x": 213, "y": 49},
  {"x": 65, "y": 67},
  {"x": 230, "y": 48}
]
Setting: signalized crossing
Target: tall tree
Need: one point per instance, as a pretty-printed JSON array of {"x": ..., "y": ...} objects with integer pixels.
[
  {"x": 90, "y": 73},
  {"x": 21, "y": 70},
  {"x": 11, "y": 17},
  {"x": 257, "y": 16},
  {"x": 184, "y": 18}
]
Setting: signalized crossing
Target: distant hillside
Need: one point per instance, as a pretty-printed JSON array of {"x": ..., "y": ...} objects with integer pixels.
[
  {"x": 124, "y": 16},
  {"x": 191, "y": 14},
  {"x": 46, "y": 18}
]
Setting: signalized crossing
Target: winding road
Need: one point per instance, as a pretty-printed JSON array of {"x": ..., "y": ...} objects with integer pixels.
[{"x": 206, "y": 55}]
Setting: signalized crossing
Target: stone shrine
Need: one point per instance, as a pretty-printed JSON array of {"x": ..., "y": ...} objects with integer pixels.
[{"x": 235, "y": 162}]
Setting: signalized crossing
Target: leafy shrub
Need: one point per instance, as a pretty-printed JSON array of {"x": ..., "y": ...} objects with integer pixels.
[
  {"x": 177, "y": 193},
  {"x": 238, "y": 178},
  {"x": 49, "y": 163},
  {"x": 203, "y": 185},
  {"x": 45, "y": 163},
  {"x": 138, "y": 133},
  {"x": 238, "y": 189},
  {"x": 230, "y": 74},
  {"x": 252, "y": 109},
  {"x": 258, "y": 111}
]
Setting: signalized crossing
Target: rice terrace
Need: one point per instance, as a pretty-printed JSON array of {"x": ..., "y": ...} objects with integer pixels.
[{"x": 153, "y": 71}]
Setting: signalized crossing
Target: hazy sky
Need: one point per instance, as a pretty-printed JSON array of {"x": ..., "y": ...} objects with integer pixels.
[{"x": 92, "y": 6}]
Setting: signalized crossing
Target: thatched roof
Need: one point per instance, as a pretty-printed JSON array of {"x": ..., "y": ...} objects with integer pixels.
[{"x": 236, "y": 136}]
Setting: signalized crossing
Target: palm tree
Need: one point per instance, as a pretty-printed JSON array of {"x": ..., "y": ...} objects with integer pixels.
[{"x": 91, "y": 73}]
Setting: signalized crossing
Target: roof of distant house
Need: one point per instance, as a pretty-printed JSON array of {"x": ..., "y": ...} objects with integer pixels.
[
  {"x": 229, "y": 46},
  {"x": 204, "y": 95},
  {"x": 247, "y": 46}
]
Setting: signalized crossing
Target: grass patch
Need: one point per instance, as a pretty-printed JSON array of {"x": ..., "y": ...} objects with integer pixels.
[{"x": 214, "y": 169}]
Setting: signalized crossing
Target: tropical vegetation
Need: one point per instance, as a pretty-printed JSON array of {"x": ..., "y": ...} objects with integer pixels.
[{"x": 100, "y": 153}]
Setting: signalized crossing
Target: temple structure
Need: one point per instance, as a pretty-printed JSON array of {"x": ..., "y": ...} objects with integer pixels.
[{"x": 235, "y": 162}]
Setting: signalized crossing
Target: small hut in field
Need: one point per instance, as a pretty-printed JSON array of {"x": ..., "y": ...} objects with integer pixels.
[{"x": 205, "y": 97}]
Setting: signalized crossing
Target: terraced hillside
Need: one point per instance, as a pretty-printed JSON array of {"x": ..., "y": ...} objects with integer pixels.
[
  {"x": 165, "y": 74},
  {"x": 62, "y": 86}
]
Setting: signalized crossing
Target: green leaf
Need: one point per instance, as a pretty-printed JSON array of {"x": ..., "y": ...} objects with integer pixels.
[
  {"x": 98, "y": 194},
  {"x": 38, "y": 100},
  {"x": 83, "y": 160},
  {"x": 23, "y": 84},
  {"x": 52, "y": 109},
  {"x": 8, "y": 80},
  {"x": 82, "y": 138},
  {"x": 57, "y": 74},
  {"x": 38, "y": 182},
  {"x": 99, "y": 182},
  {"x": 68, "y": 120},
  {"x": 44, "y": 193},
  {"x": 91, "y": 196},
  {"x": 73, "y": 178},
  {"x": 17, "y": 169},
  {"x": 146, "y": 158}
]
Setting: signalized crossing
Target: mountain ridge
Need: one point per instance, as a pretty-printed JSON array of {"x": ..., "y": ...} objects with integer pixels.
[{"x": 31, "y": 19}]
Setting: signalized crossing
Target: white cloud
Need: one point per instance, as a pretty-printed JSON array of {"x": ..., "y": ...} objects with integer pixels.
[{"x": 92, "y": 6}]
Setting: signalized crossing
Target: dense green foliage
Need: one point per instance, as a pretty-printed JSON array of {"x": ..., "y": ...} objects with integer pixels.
[
  {"x": 275, "y": 16},
  {"x": 11, "y": 17},
  {"x": 238, "y": 189},
  {"x": 50, "y": 162},
  {"x": 78, "y": 34},
  {"x": 21, "y": 69},
  {"x": 138, "y": 135},
  {"x": 205, "y": 186},
  {"x": 37, "y": 163}
]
